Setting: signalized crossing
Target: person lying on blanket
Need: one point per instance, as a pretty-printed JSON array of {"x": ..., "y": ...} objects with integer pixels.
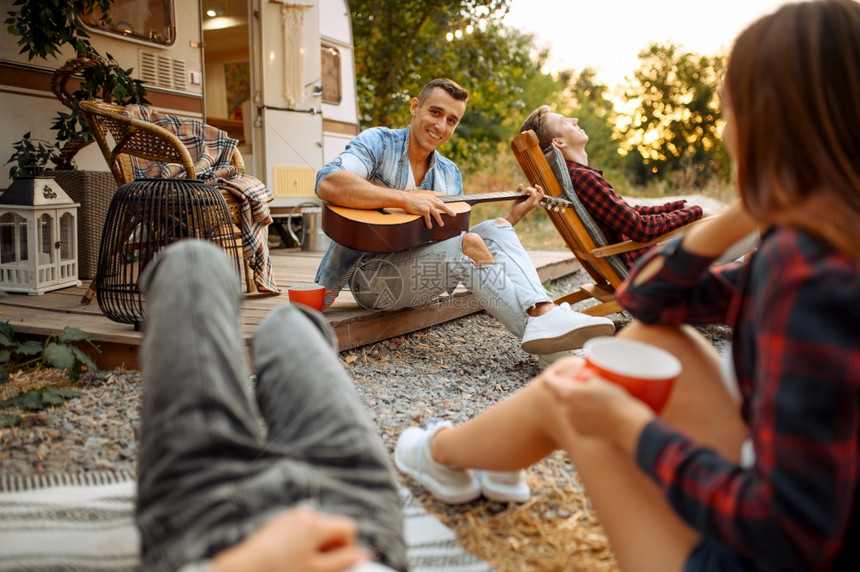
[{"x": 313, "y": 490}]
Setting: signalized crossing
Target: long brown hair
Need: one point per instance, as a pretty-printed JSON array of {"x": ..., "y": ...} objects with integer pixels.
[{"x": 793, "y": 82}]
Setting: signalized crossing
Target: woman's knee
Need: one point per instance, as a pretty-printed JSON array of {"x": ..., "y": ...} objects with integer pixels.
[
  {"x": 701, "y": 404},
  {"x": 677, "y": 339},
  {"x": 699, "y": 358}
]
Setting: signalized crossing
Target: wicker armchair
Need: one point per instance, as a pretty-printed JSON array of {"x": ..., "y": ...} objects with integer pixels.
[{"x": 134, "y": 137}]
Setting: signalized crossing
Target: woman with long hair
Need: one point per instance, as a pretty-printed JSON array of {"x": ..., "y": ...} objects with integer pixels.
[{"x": 754, "y": 462}]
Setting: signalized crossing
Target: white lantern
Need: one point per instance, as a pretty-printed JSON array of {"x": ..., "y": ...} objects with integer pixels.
[{"x": 38, "y": 237}]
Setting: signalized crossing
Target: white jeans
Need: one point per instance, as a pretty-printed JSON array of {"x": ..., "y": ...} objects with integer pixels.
[{"x": 506, "y": 289}]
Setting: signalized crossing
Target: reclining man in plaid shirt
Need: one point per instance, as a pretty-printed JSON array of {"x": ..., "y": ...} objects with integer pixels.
[{"x": 618, "y": 220}]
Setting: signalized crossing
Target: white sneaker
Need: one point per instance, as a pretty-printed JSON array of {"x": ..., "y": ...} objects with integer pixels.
[
  {"x": 504, "y": 486},
  {"x": 448, "y": 484},
  {"x": 563, "y": 329}
]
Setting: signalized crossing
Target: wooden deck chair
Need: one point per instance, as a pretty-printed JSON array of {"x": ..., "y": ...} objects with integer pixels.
[
  {"x": 138, "y": 138},
  {"x": 579, "y": 231}
]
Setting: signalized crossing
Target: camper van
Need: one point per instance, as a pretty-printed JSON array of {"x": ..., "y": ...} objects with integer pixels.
[{"x": 278, "y": 75}]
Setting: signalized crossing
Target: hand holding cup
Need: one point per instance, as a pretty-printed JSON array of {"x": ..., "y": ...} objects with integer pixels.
[{"x": 645, "y": 371}]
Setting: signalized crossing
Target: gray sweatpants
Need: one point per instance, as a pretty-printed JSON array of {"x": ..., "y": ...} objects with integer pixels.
[{"x": 209, "y": 473}]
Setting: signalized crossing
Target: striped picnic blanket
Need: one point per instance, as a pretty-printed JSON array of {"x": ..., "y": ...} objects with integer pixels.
[
  {"x": 211, "y": 151},
  {"x": 86, "y": 522}
]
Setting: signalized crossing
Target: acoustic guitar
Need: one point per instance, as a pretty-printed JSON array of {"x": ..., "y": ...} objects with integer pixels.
[{"x": 393, "y": 230}]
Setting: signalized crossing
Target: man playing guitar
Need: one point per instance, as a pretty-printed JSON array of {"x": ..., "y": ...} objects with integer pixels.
[{"x": 373, "y": 172}]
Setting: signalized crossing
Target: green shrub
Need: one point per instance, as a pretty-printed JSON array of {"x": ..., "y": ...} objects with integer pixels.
[{"x": 57, "y": 351}]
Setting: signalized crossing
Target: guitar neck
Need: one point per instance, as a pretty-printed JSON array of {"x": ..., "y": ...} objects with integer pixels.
[
  {"x": 394, "y": 230},
  {"x": 484, "y": 197},
  {"x": 555, "y": 203}
]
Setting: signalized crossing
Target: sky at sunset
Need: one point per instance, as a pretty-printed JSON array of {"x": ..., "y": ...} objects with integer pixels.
[{"x": 607, "y": 35}]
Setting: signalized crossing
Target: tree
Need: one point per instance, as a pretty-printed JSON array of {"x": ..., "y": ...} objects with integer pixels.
[
  {"x": 393, "y": 38},
  {"x": 401, "y": 46},
  {"x": 677, "y": 122}
]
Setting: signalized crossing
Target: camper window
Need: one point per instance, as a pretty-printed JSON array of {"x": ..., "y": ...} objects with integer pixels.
[
  {"x": 148, "y": 20},
  {"x": 331, "y": 82}
]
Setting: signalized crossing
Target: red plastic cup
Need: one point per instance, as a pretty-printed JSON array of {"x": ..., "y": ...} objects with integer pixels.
[
  {"x": 646, "y": 371},
  {"x": 310, "y": 295}
]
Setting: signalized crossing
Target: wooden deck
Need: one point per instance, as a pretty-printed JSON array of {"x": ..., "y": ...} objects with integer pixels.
[{"x": 48, "y": 314}]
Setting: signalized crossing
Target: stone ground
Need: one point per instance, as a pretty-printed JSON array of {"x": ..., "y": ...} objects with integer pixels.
[{"x": 451, "y": 371}]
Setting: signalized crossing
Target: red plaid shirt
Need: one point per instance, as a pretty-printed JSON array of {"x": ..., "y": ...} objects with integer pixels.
[
  {"x": 795, "y": 310},
  {"x": 620, "y": 221}
]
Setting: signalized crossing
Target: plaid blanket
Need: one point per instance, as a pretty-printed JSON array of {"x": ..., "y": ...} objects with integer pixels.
[
  {"x": 211, "y": 151},
  {"x": 85, "y": 521}
]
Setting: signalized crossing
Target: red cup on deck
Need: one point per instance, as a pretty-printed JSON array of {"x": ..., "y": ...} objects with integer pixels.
[
  {"x": 310, "y": 295},
  {"x": 646, "y": 371}
]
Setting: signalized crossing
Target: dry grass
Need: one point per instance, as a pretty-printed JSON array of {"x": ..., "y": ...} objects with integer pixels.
[
  {"x": 556, "y": 530},
  {"x": 25, "y": 380}
]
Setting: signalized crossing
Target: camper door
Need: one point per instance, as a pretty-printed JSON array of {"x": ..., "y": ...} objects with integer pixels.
[{"x": 292, "y": 122}]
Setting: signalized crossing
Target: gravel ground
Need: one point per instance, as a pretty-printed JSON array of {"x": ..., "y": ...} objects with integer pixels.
[
  {"x": 451, "y": 371},
  {"x": 427, "y": 375}
]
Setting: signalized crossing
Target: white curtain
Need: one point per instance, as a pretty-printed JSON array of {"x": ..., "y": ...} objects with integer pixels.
[{"x": 293, "y": 16}]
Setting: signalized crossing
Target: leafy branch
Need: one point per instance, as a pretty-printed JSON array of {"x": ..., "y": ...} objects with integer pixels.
[
  {"x": 32, "y": 156},
  {"x": 58, "y": 351}
]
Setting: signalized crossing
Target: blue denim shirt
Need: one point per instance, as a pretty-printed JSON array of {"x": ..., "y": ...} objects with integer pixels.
[{"x": 379, "y": 156}]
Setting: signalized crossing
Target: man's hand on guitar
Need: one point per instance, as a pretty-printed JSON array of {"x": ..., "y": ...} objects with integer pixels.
[
  {"x": 522, "y": 207},
  {"x": 427, "y": 206}
]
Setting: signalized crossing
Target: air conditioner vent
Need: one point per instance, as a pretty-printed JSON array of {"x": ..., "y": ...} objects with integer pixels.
[
  {"x": 180, "y": 75},
  {"x": 148, "y": 71},
  {"x": 163, "y": 71}
]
